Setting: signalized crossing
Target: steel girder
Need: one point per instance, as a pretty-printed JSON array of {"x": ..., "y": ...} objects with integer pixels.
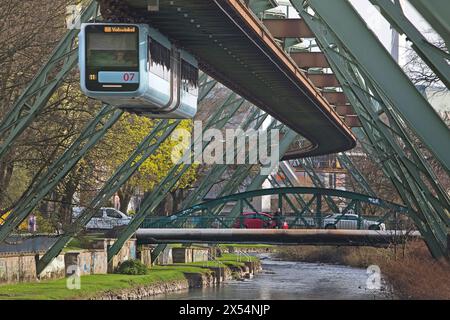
[
  {"x": 34, "y": 98},
  {"x": 257, "y": 117},
  {"x": 436, "y": 13},
  {"x": 146, "y": 148},
  {"x": 222, "y": 115},
  {"x": 259, "y": 6},
  {"x": 434, "y": 57},
  {"x": 394, "y": 86},
  {"x": 288, "y": 138},
  {"x": 91, "y": 134},
  {"x": 309, "y": 168},
  {"x": 300, "y": 201},
  {"x": 356, "y": 197},
  {"x": 347, "y": 162},
  {"x": 233, "y": 183},
  {"x": 389, "y": 141}
]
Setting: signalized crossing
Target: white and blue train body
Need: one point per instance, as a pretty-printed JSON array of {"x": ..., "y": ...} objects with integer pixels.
[{"x": 136, "y": 68}]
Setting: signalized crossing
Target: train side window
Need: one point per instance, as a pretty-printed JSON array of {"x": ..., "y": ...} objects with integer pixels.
[
  {"x": 159, "y": 59},
  {"x": 189, "y": 76}
]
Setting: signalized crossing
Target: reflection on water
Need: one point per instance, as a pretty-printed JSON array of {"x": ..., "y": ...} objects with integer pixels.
[{"x": 284, "y": 280}]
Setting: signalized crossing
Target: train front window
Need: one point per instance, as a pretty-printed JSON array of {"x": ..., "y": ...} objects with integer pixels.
[{"x": 112, "y": 50}]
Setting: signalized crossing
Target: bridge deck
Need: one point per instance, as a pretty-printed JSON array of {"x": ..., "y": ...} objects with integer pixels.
[
  {"x": 234, "y": 47},
  {"x": 275, "y": 236}
]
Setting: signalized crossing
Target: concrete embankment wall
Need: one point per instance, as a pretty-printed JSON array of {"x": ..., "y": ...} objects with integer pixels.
[
  {"x": 193, "y": 280},
  {"x": 21, "y": 267}
]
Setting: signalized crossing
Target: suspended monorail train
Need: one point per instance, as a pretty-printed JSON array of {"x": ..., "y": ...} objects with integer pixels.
[{"x": 136, "y": 68}]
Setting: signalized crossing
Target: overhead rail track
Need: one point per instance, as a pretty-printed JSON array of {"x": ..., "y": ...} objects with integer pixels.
[{"x": 235, "y": 48}]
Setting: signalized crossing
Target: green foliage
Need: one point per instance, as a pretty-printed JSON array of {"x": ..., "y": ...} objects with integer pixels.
[
  {"x": 132, "y": 267},
  {"x": 126, "y": 136}
]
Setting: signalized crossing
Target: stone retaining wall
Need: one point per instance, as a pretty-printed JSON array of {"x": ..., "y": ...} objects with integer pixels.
[
  {"x": 21, "y": 267},
  {"x": 193, "y": 280}
]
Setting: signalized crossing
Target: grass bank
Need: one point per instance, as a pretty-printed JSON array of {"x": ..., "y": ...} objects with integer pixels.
[
  {"x": 411, "y": 271},
  {"x": 94, "y": 285}
]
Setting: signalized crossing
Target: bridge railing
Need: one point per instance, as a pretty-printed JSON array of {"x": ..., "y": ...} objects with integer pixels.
[{"x": 391, "y": 221}]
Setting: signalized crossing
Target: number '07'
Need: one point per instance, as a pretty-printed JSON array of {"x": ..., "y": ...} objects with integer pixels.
[{"x": 128, "y": 77}]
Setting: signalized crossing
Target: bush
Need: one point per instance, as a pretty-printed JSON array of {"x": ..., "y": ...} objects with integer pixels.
[{"x": 132, "y": 267}]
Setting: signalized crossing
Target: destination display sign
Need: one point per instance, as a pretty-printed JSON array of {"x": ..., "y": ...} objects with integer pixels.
[{"x": 120, "y": 29}]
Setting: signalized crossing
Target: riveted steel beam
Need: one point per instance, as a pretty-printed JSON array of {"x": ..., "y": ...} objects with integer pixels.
[
  {"x": 34, "y": 98},
  {"x": 436, "y": 13},
  {"x": 146, "y": 148},
  {"x": 370, "y": 54},
  {"x": 435, "y": 58},
  {"x": 288, "y": 28},
  {"x": 388, "y": 140},
  {"x": 219, "y": 119},
  {"x": 310, "y": 59},
  {"x": 322, "y": 80},
  {"x": 92, "y": 133}
]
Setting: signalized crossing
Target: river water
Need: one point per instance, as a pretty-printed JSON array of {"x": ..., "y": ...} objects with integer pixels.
[{"x": 286, "y": 280}]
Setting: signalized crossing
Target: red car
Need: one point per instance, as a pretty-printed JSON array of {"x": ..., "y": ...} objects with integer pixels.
[{"x": 255, "y": 220}]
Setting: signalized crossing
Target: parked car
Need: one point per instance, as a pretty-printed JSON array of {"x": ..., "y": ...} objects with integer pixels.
[
  {"x": 350, "y": 221},
  {"x": 255, "y": 220},
  {"x": 104, "y": 218}
]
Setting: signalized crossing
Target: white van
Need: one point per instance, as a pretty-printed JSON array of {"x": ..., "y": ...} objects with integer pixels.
[{"x": 104, "y": 218}]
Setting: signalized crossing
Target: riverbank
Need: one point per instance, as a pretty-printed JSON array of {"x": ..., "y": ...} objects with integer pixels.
[
  {"x": 160, "y": 279},
  {"x": 411, "y": 271}
]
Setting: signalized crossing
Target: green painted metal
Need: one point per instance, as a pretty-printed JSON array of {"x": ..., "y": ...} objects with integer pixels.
[
  {"x": 435, "y": 58},
  {"x": 285, "y": 142},
  {"x": 257, "y": 117},
  {"x": 346, "y": 161},
  {"x": 91, "y": 134},
  {"x": 317, "y": 181},
  {"x": 301, "y": 204},
  {"x": 219, "y": 119},
  {"x": 231, "y": 186},
  {"x": 259, "y": 6},
  {"x": 387, "y": 141},
  {"x": 396, "y": 88},
  {"x": 47, "y": 80},
  {"x": 362, "y": 198},
  {"x": 145, "y": 149},
  {"x": 436, "y": 13}
]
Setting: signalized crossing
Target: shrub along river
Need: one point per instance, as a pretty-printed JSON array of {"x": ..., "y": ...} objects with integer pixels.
[{"x": 287, "y": 280}]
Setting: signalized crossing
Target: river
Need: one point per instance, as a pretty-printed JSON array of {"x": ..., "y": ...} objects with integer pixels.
[{"x": 287, "y": 280}]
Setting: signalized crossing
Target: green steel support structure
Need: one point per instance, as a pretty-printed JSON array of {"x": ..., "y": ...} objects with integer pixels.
[
  {"x": 389, "y": 140},
  {"x": 436, "y": 14},
  {"x": 392, "y": 83},
  {"x": 146, "y": 148},
  {"x": 345, "y": 160},
  {"x": 91, "y": 134},
  {"x": 256, "y": 118},
  {"x": 435, "y": 58},
  {"x": 34, "y": 98},
  {"x": 152, "y": 200},
  {"x": 309, "y": 168},
  {"x": 210, "y": 208},
  {"x": 232, "y": 185},
  {"x": 285, "y": 142}
]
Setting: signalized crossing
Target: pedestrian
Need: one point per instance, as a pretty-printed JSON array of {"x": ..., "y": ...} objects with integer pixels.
[
  {"x": 32, "y": 227},
  {"x": 116, "y": 202},
  {"x": 278, "y": 217}
]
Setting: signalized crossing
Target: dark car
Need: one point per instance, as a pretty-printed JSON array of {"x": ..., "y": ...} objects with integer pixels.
[{"x": 255, "y": 220}]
